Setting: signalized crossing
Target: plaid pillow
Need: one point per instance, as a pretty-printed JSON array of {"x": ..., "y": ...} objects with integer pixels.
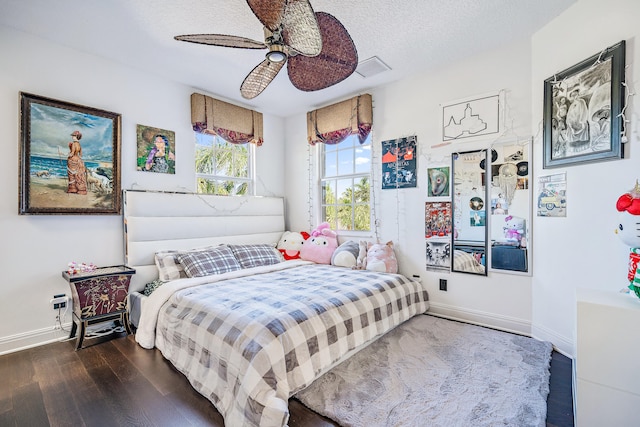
[
  {"x": 205, "y": 263},
  {"x": 256, "y": 255},
  {"x": 168, "y": 266}
]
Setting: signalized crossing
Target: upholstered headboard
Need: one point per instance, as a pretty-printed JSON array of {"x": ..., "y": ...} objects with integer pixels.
[{"x": 155, "y": 221}]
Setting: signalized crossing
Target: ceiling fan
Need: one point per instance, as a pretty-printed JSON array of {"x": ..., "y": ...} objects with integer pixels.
[{"x": 318, "y": 50}]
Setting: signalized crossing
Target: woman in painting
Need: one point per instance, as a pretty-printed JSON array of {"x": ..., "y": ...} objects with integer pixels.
[
  {"x": 159, "y": 156},
  {"x": 76, "y": 172}
]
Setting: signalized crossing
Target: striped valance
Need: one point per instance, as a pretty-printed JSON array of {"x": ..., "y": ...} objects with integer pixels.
[
  {"x": 334, "y": 123},
  {"x": 235, "y": 124}
]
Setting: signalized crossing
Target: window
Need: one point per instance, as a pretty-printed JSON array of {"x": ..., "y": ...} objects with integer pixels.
[
  {"x": 223, "y": 168},
  {"x": 345, "y": 180}
]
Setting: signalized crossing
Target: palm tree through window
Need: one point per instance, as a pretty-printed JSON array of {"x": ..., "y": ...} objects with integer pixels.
[{"x": 221, "y": 167}]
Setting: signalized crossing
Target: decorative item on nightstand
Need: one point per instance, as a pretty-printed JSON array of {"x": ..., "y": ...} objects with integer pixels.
[
  {"x": 629, "y": 232},
  {"x": 99, "y": 296}
]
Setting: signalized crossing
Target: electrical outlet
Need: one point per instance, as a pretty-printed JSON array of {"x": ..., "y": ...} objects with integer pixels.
[
  {"x": 59, "y": 301},
  {"x": 417, "y": 278},
  {"x": 443, "y": 284}
]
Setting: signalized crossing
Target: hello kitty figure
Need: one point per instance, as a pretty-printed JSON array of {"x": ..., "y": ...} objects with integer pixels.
[
  {"x": 291, "y": 243},
  {"x": 514, "y": 229},
  {"x": 629, "y": 232}
]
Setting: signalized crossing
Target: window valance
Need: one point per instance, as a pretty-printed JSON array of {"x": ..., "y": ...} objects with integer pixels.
[
  {"x": 234, "y": 124},
  {"x": 334, "y": 123}
]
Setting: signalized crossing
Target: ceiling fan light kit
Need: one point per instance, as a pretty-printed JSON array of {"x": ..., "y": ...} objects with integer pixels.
[
  {"x": 317, "y": 49},
  {"x": 276, "y": 53}
]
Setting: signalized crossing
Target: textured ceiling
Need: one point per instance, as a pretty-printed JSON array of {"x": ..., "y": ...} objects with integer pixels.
[{"x": 410, "y": 36}]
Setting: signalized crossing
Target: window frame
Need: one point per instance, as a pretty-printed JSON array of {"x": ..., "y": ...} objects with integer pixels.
[
  {"x": 250, "y": 179},
  {"x": 354, "y": 176}
]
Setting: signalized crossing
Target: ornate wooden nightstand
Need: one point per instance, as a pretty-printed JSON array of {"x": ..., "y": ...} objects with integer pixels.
[{"x": 99, "y": 296}]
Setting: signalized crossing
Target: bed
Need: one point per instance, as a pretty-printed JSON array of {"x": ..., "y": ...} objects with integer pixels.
[{"x": 249, "y": 338}]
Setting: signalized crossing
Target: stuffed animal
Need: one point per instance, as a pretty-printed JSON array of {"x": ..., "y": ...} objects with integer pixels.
[
  {"x": 361, "y": 260},
  {"x": 380, "y": 257},
  {"x": 320, "y": 245},
  {"x": 346, "y": 255},
  {"x": 290, "y": 244},
  {"x": 514, "y": 229},
  {"x": 629, "y": 232}
]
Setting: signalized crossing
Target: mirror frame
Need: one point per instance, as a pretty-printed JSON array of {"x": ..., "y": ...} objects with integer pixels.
[
  {"x": 524, "y": 212},
  {"x": 468, "y": 255}
]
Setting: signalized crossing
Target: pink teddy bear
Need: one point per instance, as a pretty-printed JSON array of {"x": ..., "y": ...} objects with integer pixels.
[{"x": 320, "y": 245}]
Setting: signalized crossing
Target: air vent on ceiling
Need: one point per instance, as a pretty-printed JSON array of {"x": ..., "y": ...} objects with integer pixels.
[{"x": 371, "y": 67}]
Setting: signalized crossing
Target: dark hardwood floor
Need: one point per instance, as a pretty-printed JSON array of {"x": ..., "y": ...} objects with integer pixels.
[
  {"x": 118, "y": 383},
  {"x": 560, "y": 399}
]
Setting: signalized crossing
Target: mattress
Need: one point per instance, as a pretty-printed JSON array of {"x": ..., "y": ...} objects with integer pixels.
[{"x": 135, "y": 307}]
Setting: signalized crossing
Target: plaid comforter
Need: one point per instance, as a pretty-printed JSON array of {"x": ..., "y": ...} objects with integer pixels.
[{"x": 249, "y": 343}]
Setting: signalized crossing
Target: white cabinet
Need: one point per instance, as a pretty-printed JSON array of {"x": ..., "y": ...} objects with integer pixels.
[{"x": 607, "y": 359}]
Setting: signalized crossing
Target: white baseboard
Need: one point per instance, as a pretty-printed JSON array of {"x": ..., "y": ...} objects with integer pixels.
[
  {"x": 504, "y": 323},
  {"x": 561, "y": 344},
  {"x": 481, "y": 318},
  {"x": 25, "y": 340},
  {"x": 13, "y": 343}
]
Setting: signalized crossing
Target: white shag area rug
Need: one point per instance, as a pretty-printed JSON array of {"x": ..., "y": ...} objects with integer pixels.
[{"x": 436, "y": 372}]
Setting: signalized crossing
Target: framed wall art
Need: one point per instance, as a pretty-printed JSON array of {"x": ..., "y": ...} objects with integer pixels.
[
  {"x": 438, "y": 179},
  {"x": 156, "y": 150},
  {"x": 399, "y": 163},
  {"x": 582, "y": 110},
  {"x": 437, "y": 225},
  {"x": 69, "y": 158},
  {"x": 552, "y": 195}
]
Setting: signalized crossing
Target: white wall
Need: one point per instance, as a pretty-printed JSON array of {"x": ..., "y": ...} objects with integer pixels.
[
  {"x": 582, "y": 250},
  {"x": 412, "y": 107},
  {"x": 577, "y": 251},
  {"x": 36, "y": 248}
]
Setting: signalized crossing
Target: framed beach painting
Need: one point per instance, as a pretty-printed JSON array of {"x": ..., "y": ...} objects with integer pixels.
[
  {"x": 69, "y": 158},
  {"x": 583, "y": 108}
]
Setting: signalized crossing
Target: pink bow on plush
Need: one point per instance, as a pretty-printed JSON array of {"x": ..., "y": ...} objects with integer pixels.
[{"x": 321, "y": 230}]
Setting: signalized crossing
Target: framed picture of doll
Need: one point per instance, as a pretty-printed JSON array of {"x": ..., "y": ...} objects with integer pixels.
[
  {"x": 69, "y": 158},
  {"x": 156, "y": 150}
]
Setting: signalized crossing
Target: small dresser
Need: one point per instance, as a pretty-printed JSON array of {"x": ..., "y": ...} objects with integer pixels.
[
  {"x": 99, "y": 296},
  {"x": 607, "y": 347}
]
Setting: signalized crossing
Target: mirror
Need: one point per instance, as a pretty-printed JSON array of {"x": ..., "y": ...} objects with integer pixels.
[
  {"x": 510, "y": 208},
  {"x": 470, "y": 204}
]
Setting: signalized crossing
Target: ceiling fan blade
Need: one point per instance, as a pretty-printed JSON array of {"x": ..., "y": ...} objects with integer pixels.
[
  {"x": 259, "y": 78},
  {"x": 222, "y": 40},
  {"x": 300, "y": 30},
  {"x": 269, "y": 12},
  {"x": 337, "y": 60}
]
